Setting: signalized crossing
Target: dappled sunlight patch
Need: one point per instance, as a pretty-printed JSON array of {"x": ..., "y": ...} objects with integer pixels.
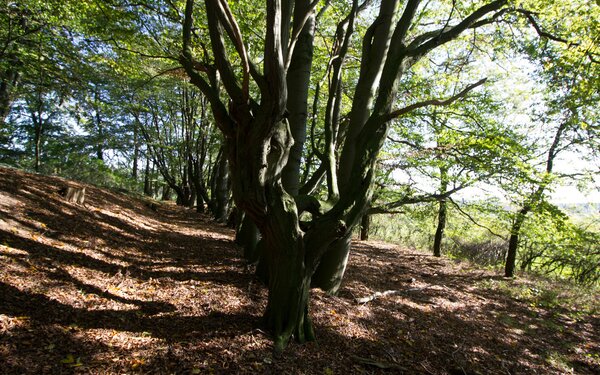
[
  {"x": 7, "y": 201},
  {"x": 136, "y": 291},
  {"x": 10, "y": 251}
]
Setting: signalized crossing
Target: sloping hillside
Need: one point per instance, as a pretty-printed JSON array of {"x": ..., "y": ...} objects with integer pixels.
[{"x": 112, "y": 286}]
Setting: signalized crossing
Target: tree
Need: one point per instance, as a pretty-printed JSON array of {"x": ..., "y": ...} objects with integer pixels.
[
  {"x": 255, "y": 123},
  {"x": 571, "y": 70}
]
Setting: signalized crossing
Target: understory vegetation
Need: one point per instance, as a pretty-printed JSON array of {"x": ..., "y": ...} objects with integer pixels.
[{"x": 566, "y": 248}]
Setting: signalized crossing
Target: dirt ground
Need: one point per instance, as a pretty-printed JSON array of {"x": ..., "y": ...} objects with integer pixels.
[{"x": 113, "y": 287}]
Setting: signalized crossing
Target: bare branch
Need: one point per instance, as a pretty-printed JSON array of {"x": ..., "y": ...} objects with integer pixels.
[
  {"x": 540, "y": 32},
  {"x": 382, "y": 211},
  {"x": 435, "y": 102},
  {"x": 297, "y": 31},
  {"x": 451, "y": 33},
  {"x": 474, "y": 221},
  {"x": 233, "y": 30}
]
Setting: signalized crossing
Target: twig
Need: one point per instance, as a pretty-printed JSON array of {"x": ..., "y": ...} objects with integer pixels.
[
  {"x": 372, "y": 362},
  {"x": 434, "y": 102},
  {"x": 387, "y": 293}
]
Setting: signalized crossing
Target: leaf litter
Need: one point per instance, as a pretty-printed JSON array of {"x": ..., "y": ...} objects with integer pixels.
[{"x": 113, "y": 287}]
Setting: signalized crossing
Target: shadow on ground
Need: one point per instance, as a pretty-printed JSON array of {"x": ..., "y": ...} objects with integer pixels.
[{"x": 115, "y": 287}]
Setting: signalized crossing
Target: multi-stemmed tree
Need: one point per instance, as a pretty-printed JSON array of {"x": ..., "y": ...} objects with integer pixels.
[{"x": 261, "y": 111}]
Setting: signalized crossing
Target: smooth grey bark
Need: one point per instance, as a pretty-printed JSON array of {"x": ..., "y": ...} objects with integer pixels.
[
  {"x": 248, "y": 236},
  {"x": 298, "y": 76},
  {"x": 386, "y": 46},
  {"x": 222, "y": 187},
  {"x": 360, "y": 149},
  {"x": 374, "y": 53},
  {"x": 330, "y": 272},
  {"x": 344, "y": 31}
]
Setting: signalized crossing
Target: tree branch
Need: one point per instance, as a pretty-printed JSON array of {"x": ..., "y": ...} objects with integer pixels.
[
  {"x": 233, "y": 30},
  {"x": 186, "y": 59},
  {"x": 422, "y": 198},
  {"x": 297, "y": 31},
  {"x": 474, "y": 221},
  {"x": 220, "y": 52},
  {"x": 435, "y": 102},
  {"x": 540, "y": 32},
  {"x": 453, "y": 32}
]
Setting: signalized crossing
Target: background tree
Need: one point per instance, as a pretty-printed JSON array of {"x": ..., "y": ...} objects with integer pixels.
[{"x": 571, "y": 70}]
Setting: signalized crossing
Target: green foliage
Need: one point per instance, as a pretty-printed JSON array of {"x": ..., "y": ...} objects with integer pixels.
[
  {"x": 576, "y": 299},
  {"x": 413, "y": 228},
  {"x": 553, "y": 244}
]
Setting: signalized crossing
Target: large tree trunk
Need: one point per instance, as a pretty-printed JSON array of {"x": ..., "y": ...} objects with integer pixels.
[
  {"x": 273, "y": 210},
  {"x": 298, "y": 77},
  {"x": 364, "y": 138},
  {"x": 288, "y": 275},
  {"x": 260, "y": 139},
  {"x": 183, "y": 195},
  {"x": 248, "y": 236}
]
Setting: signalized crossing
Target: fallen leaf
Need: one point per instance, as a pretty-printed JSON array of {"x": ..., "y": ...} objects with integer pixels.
[
  {"x": 68, "y": 359},
  {"x": 137, "y": 363}
]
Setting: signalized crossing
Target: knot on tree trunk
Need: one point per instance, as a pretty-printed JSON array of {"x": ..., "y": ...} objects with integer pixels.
[{"x": 341, "y": 229}]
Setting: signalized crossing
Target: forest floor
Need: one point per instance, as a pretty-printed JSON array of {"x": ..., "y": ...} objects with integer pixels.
[{"x": 113, "y": 287}]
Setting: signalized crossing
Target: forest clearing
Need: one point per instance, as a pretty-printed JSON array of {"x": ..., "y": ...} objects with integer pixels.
[{"x": 112, "y": 286}]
